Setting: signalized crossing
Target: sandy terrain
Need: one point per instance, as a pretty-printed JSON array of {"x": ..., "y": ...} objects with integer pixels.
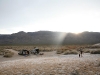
[
  {"x": 50, "y": 64},
  {"x": 16, "y": 56}
]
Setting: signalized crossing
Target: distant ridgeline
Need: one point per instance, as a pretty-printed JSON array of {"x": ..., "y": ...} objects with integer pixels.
[{"x": 50, "y": 38}]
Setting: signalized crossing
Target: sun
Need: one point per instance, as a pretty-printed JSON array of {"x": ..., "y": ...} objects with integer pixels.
[{"x": 77, "y": 33}]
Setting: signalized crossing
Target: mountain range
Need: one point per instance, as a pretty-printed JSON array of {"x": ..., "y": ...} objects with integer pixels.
[{"x": 49, "y": 38}]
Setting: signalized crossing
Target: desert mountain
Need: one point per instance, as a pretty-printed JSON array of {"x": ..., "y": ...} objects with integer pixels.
[{"x": 49, "y": 37}]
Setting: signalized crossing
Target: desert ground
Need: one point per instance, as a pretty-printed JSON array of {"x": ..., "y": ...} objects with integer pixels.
[{"x": 50, "y": 64}]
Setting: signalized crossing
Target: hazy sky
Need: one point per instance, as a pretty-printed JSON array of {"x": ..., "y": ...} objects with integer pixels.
[{"x": 53, "y": 15}]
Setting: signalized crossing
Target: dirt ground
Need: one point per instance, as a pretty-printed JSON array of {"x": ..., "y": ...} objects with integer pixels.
[
  {"x": 46, "y": 54},
  {"x": 16, "y": 56},
  {"x": 50, "y": 64}
]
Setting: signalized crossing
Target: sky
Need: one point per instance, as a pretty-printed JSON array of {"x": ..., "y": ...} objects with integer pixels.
[{"x": 49, "y": 15}]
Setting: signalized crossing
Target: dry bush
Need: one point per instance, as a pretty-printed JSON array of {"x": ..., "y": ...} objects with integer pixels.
[
  {"x": 87, "y": 51},
  {"x": 43, "y": 48},
  {"x": 8, "y": 54},
  {"x": 68, "y": 48},
  {"x": 59, "y": 51},
  {"x": 95, "y": 51},
  {"x": 1, "y": 52},
  {"x": 70, "y": 52},
  {"x": 18, "y": 48}
]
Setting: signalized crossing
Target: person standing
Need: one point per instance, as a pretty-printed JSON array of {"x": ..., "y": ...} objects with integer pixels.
[{"x": 80, "y": 52}]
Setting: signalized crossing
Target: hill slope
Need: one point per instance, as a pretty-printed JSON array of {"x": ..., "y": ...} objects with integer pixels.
[{"x": 48, "y": 37}]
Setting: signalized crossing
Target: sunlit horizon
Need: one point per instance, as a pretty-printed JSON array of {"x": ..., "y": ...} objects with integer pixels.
[
  {"x": 55, "y": 15},
  {"x": 76, "y": 32}
]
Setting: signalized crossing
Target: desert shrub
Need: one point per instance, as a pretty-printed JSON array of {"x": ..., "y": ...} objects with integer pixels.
[
  {"x": 86, "y": 51},
  {"x": 1, "y": 52},
  {"x": 95, "y": 52},
  {"x": 8, "y": 54},
  {"x": 46, "y": 50},
  {"x": 59, "y": 51},
  {"x": 70, "y": 52}
]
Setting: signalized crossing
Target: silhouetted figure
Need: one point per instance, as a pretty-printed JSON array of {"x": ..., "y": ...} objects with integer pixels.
[{"x": 80, "y": 52}]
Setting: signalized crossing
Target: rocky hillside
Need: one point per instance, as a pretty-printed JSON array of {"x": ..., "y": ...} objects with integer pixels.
[{"x": 48, "y": 37}]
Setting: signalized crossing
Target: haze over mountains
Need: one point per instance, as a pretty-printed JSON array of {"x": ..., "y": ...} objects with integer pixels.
[{"x": 50, "y": 38}]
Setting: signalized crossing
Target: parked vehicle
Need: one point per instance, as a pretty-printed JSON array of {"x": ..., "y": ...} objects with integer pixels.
[{"x": 24, "y": 52}]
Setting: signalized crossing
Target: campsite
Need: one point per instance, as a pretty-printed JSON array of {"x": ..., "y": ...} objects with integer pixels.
[
  {"x": 62, "y": 60},
  {"x": 49, "y": 37}
]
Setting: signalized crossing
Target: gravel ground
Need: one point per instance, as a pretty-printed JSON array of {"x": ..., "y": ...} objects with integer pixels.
[{"x": 89, "y": 64}]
